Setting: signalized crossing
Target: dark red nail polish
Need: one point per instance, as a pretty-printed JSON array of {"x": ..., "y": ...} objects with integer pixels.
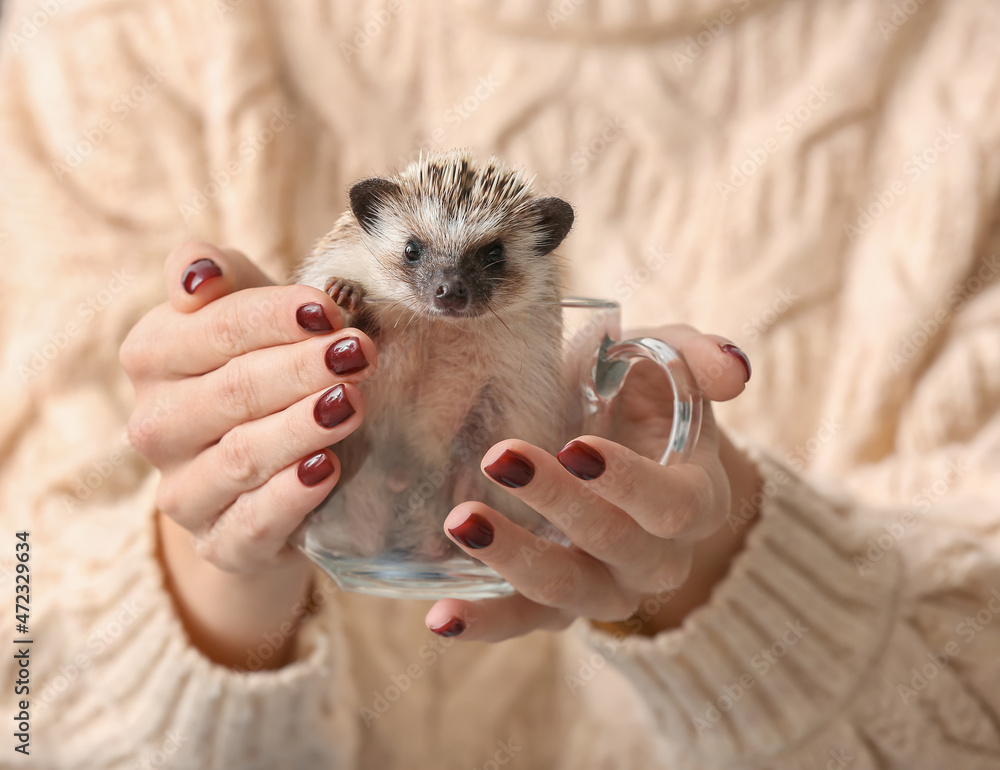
[
  {"x": 511, "y": 469},
  {"x": 332, "y": 408},
  {"x": 312, "y": 318},
  {"x": 582, "y": 460},
  {"x": 475, "y": 532},
  {"x": 740, "y": 356},
  {"x": 345, "y": 356},
  {"x": 453, "y": 627},
  {"x": 197, "y": 273},
  {"x": 315, "y": 470}
]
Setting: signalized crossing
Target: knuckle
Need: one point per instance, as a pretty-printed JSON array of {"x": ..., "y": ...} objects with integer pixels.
[
  {"x": 168, "y": 500},
  {"x": 267, "y": 311},
  {"x": 548, "y": 497},
  {"x": 231, "y": 540},
  {"x": 686, "y": 507},
  {"x": 128, "y": 354},
  {"x": 299, "y": 374},
  {"x": 671, "y": 523},
  {"x": 214, "y": 543},
  {"x": 253, "y": 529},
  {"x": 135, "y": 355},
  {"x": 143, "y": 434},
  {"x": 141, "y": 353},
  {"x": 561, "y": 588},
  {"x": 666, "y": 525},
  {"x": 298, "y": 436},
  {"x": 207, "y": 548},
  {"x": 239, "y": 460},
  {"x": 226, "y": 334},
  {"x": 606, "y": 533},
  {"x": 628, "y": 484},
  {"x": 152, "y": 428},
  {"x": 237, "y": 394},
  {"x": 136, "y": 436}
]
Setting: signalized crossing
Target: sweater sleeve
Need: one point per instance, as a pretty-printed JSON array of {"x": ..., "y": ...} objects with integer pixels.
[
  {"x": 111, "y": 651},
  {"x": 101, "y": 142},
  {"x": 843, "y": 636},
  {"x": 860, "y": 626}
]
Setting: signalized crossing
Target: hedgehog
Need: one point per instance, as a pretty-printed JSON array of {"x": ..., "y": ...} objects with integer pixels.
[{"x": 450, "y": 268}]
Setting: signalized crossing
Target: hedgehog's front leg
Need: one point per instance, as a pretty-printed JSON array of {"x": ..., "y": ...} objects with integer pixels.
[
  {"x": 350, "y": 298},
  {"x": 348, "y": 295}
]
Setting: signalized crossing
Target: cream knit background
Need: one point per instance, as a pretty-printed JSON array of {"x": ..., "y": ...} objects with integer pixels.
[{"x": 637, "y": 114}]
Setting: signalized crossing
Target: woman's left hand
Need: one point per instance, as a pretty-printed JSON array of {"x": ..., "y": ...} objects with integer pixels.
[{"x": 639, "y": 530}]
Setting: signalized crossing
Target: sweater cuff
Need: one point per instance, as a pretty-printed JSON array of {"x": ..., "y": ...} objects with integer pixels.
[
  {"x": 784, "y": 642},
  {"x": 240, "y": 717}
]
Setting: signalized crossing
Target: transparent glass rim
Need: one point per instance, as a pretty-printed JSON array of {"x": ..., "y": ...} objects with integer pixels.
[
  {"x": 591, "y": 303},
  {"x": 585, "y": 303}
]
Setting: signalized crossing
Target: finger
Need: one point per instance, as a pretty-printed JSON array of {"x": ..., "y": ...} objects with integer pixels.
[
  {"x": 720, "y": 369},
  {"x": 493, "y": 620},
  {"x": 593, "y": 524},
  {"x": 198, "y": 273},
  {"x": 543, "y": 571},
  {"x": 260, "y": 383},
  {"x": 251, "y": 453},
  {"x": 666, "y": 501},
  {"x": 167, "y": 344},
  {"x": 253, "y": 533}
]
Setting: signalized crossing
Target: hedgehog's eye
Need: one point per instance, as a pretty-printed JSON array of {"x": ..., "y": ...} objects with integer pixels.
[
  {"x": 493, "y": 253},
  {"x": 412, "y": 251}
]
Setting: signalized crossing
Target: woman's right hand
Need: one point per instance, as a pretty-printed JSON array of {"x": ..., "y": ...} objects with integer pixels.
[{"x": 241, "y": 385}]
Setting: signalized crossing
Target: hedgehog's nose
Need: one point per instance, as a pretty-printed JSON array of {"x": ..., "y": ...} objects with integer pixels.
[{"x": 451, "y": 294}]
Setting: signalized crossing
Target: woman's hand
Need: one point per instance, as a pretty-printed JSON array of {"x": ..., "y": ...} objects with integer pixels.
[
  {"x": 649, "y": 541},
  {"x": 240, "y": 387}
]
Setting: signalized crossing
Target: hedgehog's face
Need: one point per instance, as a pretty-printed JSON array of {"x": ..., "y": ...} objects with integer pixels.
[
  {"x": 460, "y": 261},
  {"x": 451, "y": 281}
]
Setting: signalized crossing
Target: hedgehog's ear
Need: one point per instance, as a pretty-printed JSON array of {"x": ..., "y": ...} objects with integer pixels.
[
  {"x": 555, "y": 218},
  {"x": 367, "y": 195}
]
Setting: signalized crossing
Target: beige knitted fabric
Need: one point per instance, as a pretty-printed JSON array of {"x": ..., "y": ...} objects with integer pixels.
[{"x": 816, "y": 180}]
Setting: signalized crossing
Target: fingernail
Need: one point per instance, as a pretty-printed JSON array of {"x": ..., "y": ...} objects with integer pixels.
[
  {"x": 197, "y": 273},
  {"x": 453, "y": 627},
  {"x": 582, "y": 460},
  {"x": 312, "y": 318},
  {"x": 332, "y": 408},
  {"x": 739, "y": 355},
  {"x": 315, "y": 470},
  {"x": 511, "y": 469},
  {"x": 474, "y": 532},
  {"x": 345, "y": 357}
]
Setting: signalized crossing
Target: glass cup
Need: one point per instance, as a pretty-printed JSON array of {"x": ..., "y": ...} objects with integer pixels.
[{"x": 380, "y": 531}]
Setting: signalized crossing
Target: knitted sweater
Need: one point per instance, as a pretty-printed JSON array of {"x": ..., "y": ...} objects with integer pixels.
[{"x": 818, "y": 181}]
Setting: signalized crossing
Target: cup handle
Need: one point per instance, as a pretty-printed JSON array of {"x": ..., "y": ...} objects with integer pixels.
[{"x": 612, "y": 364}]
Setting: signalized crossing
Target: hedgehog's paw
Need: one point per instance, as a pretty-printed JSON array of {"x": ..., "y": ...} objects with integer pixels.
[
  {"x": 399, "y": 478},
  {"x": 349, "y": 296}
]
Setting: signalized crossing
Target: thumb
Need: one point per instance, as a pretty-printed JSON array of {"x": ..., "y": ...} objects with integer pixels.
[
  {"x": 198, "y": 273},
  {"x": 720, "y": 369}
]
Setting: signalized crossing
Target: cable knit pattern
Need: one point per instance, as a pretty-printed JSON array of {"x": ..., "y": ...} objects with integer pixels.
[
  {"x": 810, "y": 643},
  {"x": 816, "y": 180}
]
